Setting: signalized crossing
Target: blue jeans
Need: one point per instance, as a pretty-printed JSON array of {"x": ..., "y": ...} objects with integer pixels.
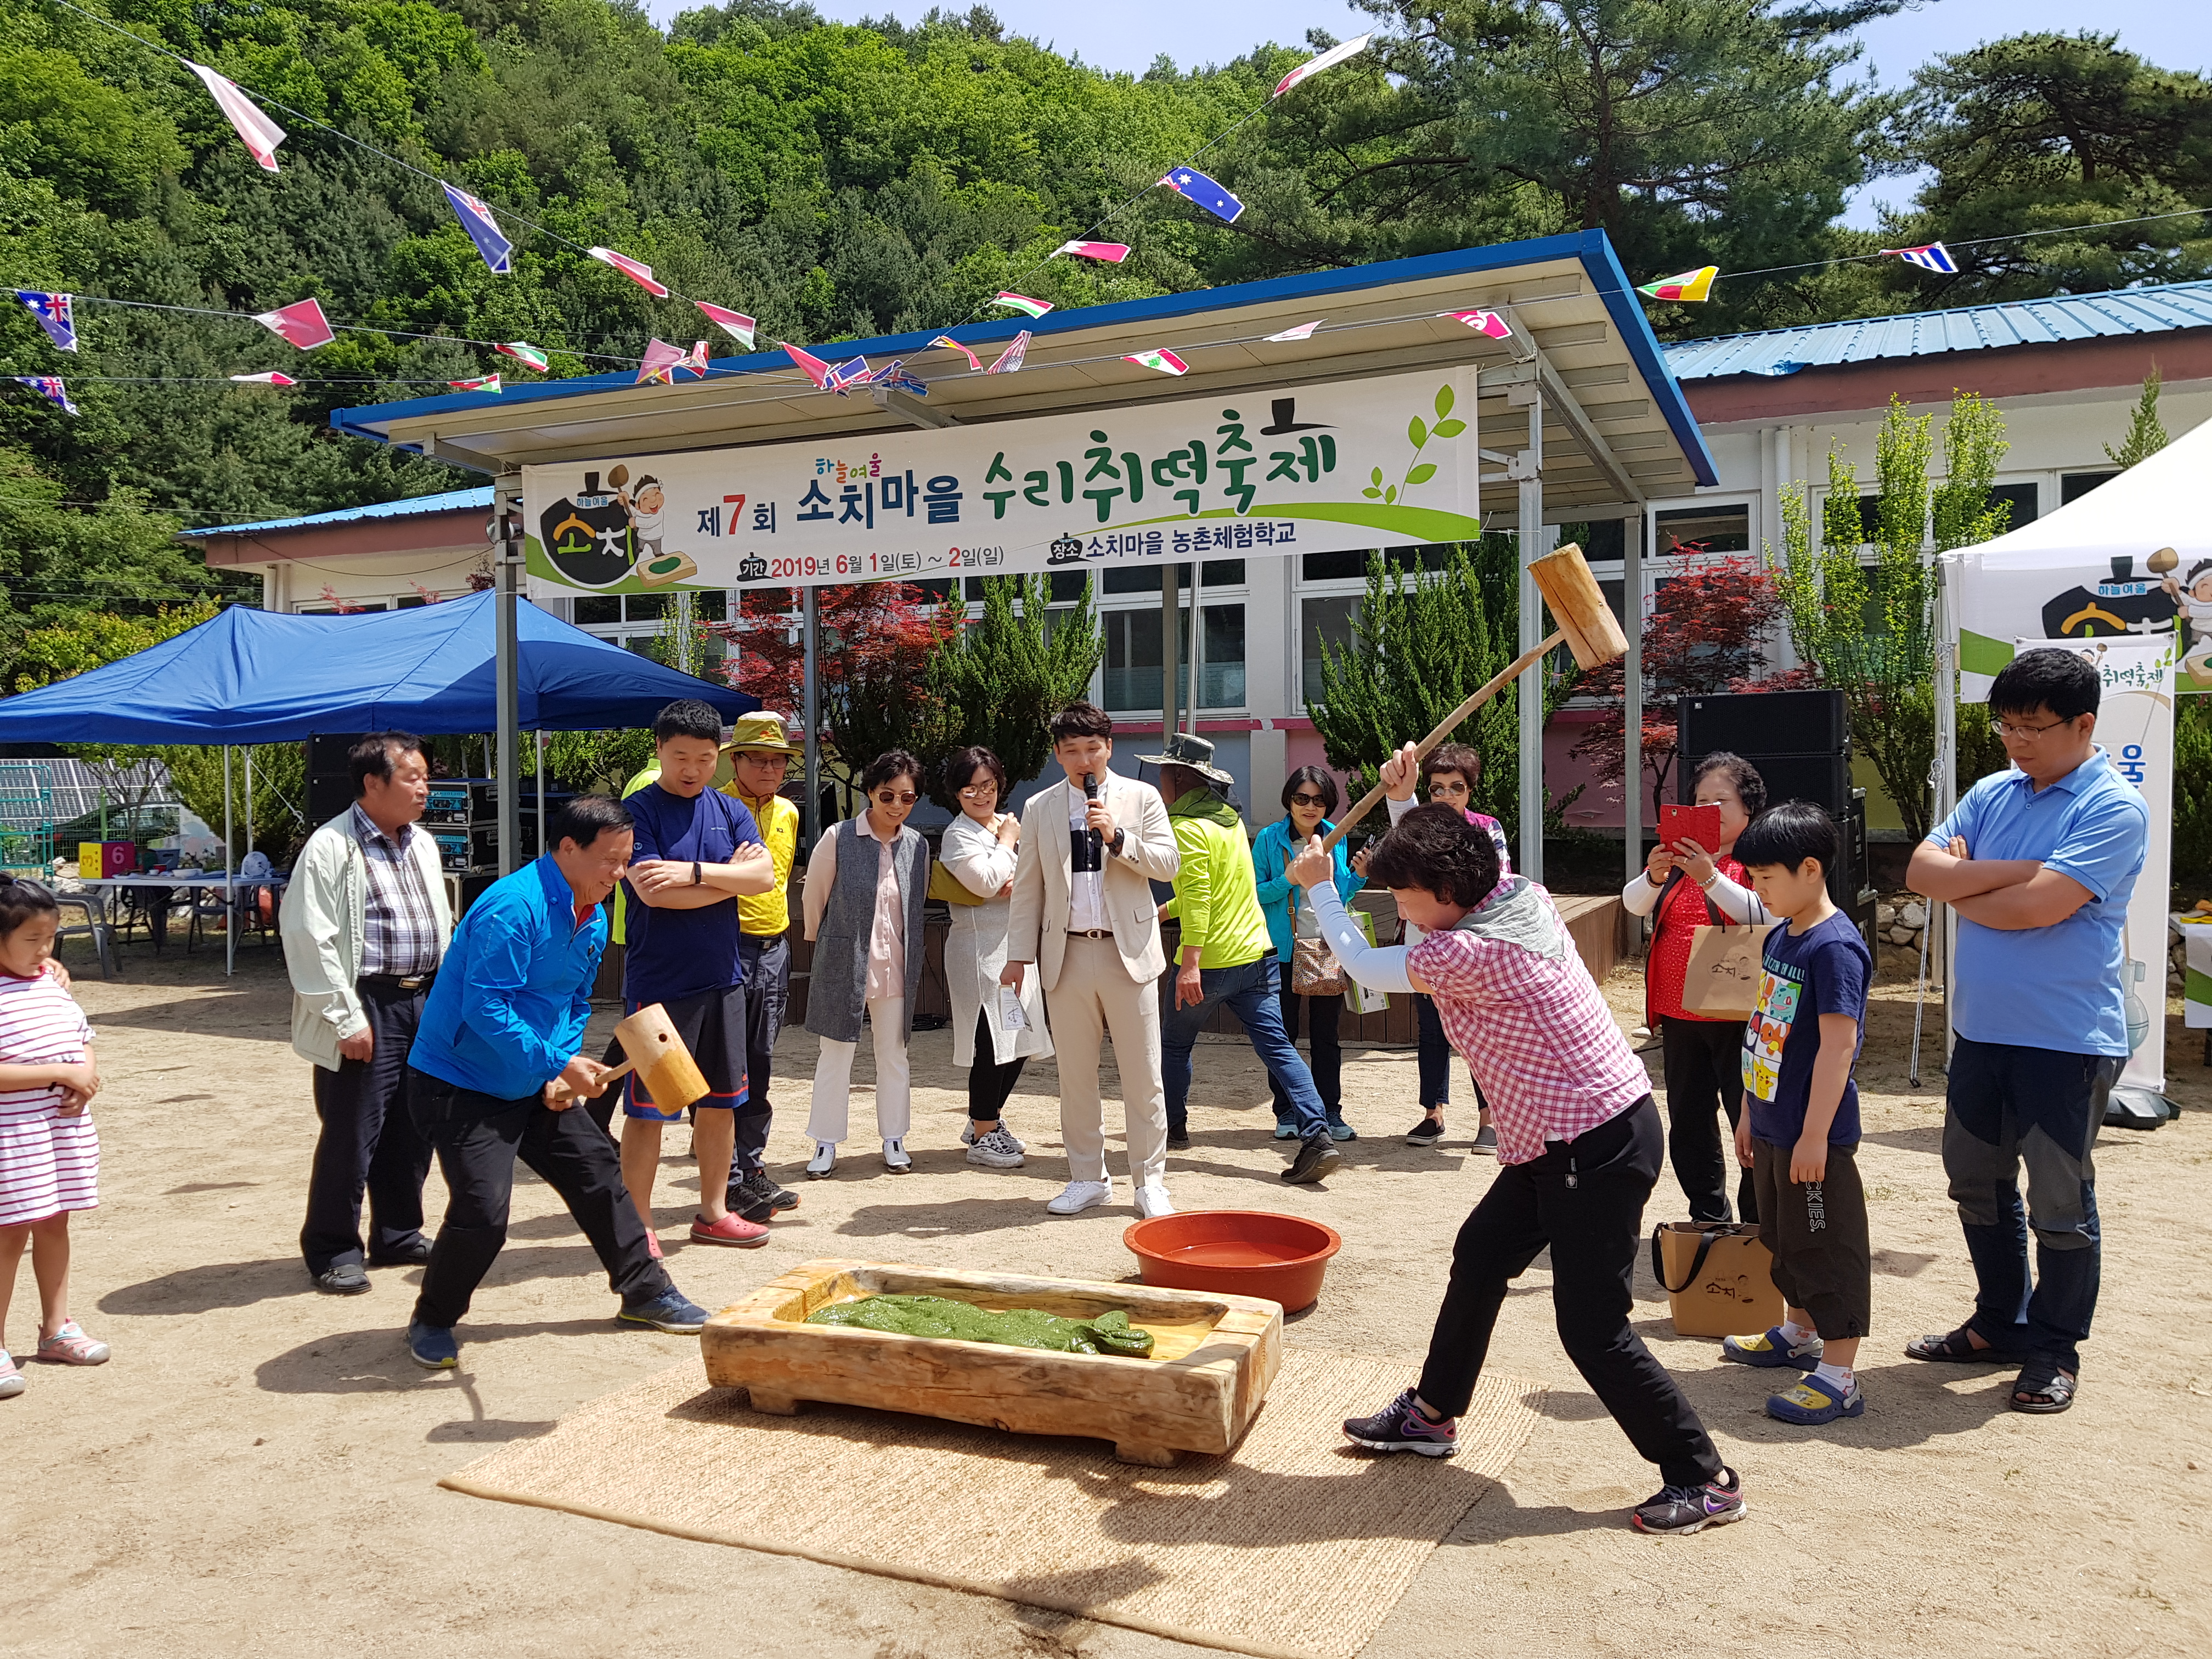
[
  {"x": 2010, "y": 1106},
  {"x": 1252, "y": 995}
]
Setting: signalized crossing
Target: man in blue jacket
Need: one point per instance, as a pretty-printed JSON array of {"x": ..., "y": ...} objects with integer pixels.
[{"x": 498, "y": 1064}]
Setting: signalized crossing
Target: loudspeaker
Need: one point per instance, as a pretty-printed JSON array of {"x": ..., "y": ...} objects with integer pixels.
[
  {"x": 330, "y": 778},
  {"x": 1764, "y": 723}
]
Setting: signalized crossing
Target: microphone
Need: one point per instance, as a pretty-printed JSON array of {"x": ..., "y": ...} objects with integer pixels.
[{"x": 1091, "y": 837}]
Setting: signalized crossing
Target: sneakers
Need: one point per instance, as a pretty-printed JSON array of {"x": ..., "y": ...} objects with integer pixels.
[
  {"x": 732, "y": 1229},
  {"x": 342, "y": 1279},
  {"x": 1400, "y": 1426},
  {"x": 1426, "y": 1132},
  {"x": 1486, "y": 1141},
  {"x": 1079, "y": 1195},
  {"x": 671, "y": 1311},
  {"x": 69, "y": 1345},
  {"x": 1678, "y": 1511},
  {"x": 996, "y": 1150},
  {"x": 754, "y": 1194},
  {"x": 824, "y": 1161},
  {"x": 1317, "y": 1160},
  {"x": 895, "y": 1155},
  {"x": 1342, "y": 1131},
  {"x": 1285, "y": 1130},
  {"x": 11, "y": 1376},
  {"x": 1153, "y": 1199},
  {"x": 967, "y": 1135},
  {"x": 1816, "y": 1399},
  {"x": 432, "y": 1346},
  {"x": 1771, "y": 1349}
]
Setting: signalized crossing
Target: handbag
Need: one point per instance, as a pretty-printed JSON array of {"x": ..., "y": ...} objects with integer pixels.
[
  {"x": 1315, "y": 971},
  {"x": 1722, "y": 1285},
  {"x": 948, "y": 888}
]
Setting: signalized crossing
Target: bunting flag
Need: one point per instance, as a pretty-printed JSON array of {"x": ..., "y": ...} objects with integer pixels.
[
  {"x": 1328, "y": 60},
  {"x": 50, "y": 387},
  {"x": 55, "y": 315},
  {"x": 1194, "y": 186},
  {"x": 735, "y": 324},
  {"x": 267, "y": 377},
  {"x": 260, "y": 135},
  {"x": 696, "y": 359},
  {"x": 641, "y": 275},
  {"x": 815, "y": 369},
  {"x": 661, "y": 361},
  {"x": 1166, "y": 361},
  {"x": 952, "y": 344},
  {"x": 1010, "y": 360},
  {"x": 1022, "y": 303},
  {"x": 1112, "y": 252},
  {"x": 484, "y": 229},
  {"x": 1302, "y": 331},
  {"x": 482, "y": 383},
  {"x": 523, "y": 352},
  {"x": 1487, "y": 322},
  {"x": 893, "y": 376},
  {"x": 300, "y": 323},
  {"x": 1689, "y": 287},
  {"x": 1931, "y": 256},
  {"x": 853, "y": 372}
]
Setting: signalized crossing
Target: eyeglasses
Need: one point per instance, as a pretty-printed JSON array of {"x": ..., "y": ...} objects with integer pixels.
[
  {"x": 977, "y": 790},
  {"x": 2026, "y": 734},
  {"x": 1436, "y": 789},
  {"x": 891, "y": 798},
  {"x": 1309, "y": 800}
]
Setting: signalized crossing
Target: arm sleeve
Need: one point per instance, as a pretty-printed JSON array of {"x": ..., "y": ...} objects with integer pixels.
[
  {"x": 308, "y": 921},
  {"x": 2103, "y": 848},
  {"x": 821, "y": 876},
  {"x": 500, "y": 968},
  {"x": 1270, "y": 866},
  {"x": 1151, "y": 843},
  {"x": 1639, "y": 897},
  {"x": 1736, "y": 903},
  {"x": 979, "y": 861},
  {"x": 1380, "y": 967},
  {"x": 1347, "y": 883},
  {"x": 1025, "y": 914},
  {"x": 1399, "y": 808},
  {"x": 1193, "y": 888}
]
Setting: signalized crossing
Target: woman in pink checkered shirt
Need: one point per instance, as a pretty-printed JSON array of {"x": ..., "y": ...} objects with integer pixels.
[{"x": 1579, "y": 1146}]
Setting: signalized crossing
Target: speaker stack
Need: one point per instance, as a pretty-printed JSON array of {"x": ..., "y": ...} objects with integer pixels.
[
  {"x": 1800, "y": 743},
  {"x": 330, "y": 780}
]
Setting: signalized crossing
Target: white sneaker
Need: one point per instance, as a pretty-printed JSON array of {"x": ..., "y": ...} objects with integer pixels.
[
  {"x": 968, "y": 1136},
  {"x": 997, "y": 1150},
  {"x": 1080, "y": 1195},
  {"x": 824, "y": 1161},
  {"x": 895, "y": 1157},
  {"x": 1153, "y": 1199}
]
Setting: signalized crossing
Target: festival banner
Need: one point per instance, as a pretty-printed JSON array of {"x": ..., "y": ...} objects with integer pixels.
[
  {"x": 2160, "y": 597},
  {"x": 1345, "y": 467}
]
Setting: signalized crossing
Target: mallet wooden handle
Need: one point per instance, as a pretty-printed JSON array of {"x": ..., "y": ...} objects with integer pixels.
[
  {"x": 1450, "y": 722},
  {"x": 620, "y": 1071}
]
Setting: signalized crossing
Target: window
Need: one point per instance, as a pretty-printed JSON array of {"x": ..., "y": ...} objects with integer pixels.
[
  {"x": 2020, "y": 498},
  {"x": 1699, "y": 530},
  {"x": 1324, "y": 617},
  {"x": 1133, "y": 680},
  {"x": 1352, "y": 567},
  {"x": 2073, "y": 486},
  {"x": 594, "y": 609},
  {"x": 1221, "y": 663}
]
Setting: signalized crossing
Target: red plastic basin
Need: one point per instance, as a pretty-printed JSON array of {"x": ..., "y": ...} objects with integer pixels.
[{"x": 1236, "y": 1253}]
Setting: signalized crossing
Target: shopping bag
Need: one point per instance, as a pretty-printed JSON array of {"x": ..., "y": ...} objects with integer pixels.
[
  {"x": 1722, "y": 981},
  {"x": 1718, "y": 1277}
]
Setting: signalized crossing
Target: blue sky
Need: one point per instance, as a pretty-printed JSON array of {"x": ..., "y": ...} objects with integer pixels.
[{"x": 1129, "y": 34}]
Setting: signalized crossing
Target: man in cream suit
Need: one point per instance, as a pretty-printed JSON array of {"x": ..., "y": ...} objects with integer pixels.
[{"x": 1082, "y": 912}]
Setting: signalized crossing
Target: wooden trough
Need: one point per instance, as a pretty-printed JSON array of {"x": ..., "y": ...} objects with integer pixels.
[{"x": 1212, "y": 1359}]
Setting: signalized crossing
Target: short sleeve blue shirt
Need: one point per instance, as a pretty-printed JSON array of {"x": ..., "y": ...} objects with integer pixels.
[
  {"x": 669, "y": 955},
  {"x": 2057, "y": 987},
  {"x": 1822, "y": 970}
]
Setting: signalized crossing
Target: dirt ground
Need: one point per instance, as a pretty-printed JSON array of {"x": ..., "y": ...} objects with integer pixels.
[{"x": 256, "y": 1470}]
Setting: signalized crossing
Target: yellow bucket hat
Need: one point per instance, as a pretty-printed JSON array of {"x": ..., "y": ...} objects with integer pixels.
[{"x": 764, "y": 731}]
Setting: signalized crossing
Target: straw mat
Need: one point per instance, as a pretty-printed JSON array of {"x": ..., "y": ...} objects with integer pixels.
[{"x": 1295, "y": 1545}]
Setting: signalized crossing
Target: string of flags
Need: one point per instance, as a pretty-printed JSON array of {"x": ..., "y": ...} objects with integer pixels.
[
  {"x": 1929, "y": 255},
  {"x": 1022, "y": 303},
  {"x": 1112, "y": 252},
  {"x": 50, "y": 387}
]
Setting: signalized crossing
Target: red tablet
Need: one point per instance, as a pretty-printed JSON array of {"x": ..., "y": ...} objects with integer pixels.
[{"x": 1701, "y": 824}]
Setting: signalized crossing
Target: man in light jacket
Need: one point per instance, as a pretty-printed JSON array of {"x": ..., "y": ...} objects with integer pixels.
[
  {"x": 366, "y": 922},
  {"x": 1083, "y": 911}
]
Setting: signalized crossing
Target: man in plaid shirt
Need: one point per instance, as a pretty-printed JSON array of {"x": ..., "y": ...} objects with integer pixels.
[{"x": 1579, "y": 1146}]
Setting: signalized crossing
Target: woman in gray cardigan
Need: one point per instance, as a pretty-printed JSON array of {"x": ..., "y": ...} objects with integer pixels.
[{"x": 864, "y": 887}]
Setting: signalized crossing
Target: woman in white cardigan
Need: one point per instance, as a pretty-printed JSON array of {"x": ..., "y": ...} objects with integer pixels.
[{"x": 979, "y": 853}]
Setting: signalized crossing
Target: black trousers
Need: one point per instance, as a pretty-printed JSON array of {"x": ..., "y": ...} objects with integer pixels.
[
  {"x": 477, "y": 1139},
  {"x": 1702, "y": 1060},
  {"x": 1584, "y": 1199},
  {"x": 990, "y": 1084},
  {"x": 367, "y": 1142},
  {"x": 767, "y": 963},
  {"x": 1327, "y": 1063}
]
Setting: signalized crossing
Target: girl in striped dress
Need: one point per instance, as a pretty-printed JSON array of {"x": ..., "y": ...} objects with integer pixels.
[{"x": 49, "y": 1153}]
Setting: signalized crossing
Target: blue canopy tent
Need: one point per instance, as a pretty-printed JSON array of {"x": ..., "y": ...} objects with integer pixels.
[{"x": 249, "y": 676}]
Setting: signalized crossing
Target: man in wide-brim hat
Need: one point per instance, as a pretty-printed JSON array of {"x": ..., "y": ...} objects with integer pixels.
[{"x": 759, "y": 756}]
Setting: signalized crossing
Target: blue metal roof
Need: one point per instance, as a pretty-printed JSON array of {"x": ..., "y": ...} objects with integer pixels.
[
  {"x": 449, "y": 500},
  {"x": 1934, "y": 333}
]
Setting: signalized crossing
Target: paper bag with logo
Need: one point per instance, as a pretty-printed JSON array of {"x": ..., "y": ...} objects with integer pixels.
[
  {"x": 1719, "y": 1278},
  {"x": 1722, "y": 981}
]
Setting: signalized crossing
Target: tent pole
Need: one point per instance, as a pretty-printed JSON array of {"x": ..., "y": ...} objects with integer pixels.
[
  {"x": 540, "y": 738},
  {"x": 229, "y": 863},
  {"x": 1170, "y": 597},
  {"x": 1531, "y": 542},
  {"x": 809, "y": 712},
  {"x": 1197, "y": 646},
  {"x": 1631, "y": 680},
  {"x": 507, "y": 767}
]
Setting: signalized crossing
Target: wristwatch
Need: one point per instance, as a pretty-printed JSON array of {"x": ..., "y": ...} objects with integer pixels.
[
  {"x": 698, "y": 876},
  {"x": 1115, "y": 845}
]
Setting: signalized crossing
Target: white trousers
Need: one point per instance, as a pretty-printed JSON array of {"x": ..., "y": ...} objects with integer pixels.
[
  {"x": 1096, "y": 996},
  {"x": 833, "y": 1078}
]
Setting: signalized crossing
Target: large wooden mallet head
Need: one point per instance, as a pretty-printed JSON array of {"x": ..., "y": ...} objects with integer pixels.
[
  {"x": 652, "y": 1048},
  {"x": 1578, "y": 605}
]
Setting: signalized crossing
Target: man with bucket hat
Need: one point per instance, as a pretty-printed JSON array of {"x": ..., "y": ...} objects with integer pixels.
[
  {"x": 760, "y": 755},
  {"x": 1228, "y": 956}
]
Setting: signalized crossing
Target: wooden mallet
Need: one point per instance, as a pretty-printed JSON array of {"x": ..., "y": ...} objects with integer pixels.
[
  {"x": 654, "y": 1051},
  {"x": 1586, "y": 626}
]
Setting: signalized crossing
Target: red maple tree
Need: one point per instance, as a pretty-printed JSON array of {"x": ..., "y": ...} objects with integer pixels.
[{"x": 1704, "y": 635}]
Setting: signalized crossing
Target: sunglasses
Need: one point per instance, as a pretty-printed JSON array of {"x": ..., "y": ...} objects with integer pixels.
[
  {"x": 1436, "y": 789},
  {"x": 1309, "y": 800},
  {"x": 889, "y": 798}
]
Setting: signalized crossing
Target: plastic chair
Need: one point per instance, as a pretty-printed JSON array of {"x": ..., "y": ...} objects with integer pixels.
[{"x": 94, "y": 927}]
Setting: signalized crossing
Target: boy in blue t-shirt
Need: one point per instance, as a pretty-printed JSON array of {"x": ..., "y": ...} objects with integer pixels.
[{"x": 1799, "y": 1133}]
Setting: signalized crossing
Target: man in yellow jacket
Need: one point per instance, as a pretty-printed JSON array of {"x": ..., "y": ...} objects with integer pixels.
[
  {"x": 759, "y": 756},
  {"x": 1227, "y": 954}
]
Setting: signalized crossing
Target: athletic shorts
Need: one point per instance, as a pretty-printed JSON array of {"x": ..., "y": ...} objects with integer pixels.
[
  {"x": 713, "y": 1026},
  {"x": 1817, "y": 1231}
]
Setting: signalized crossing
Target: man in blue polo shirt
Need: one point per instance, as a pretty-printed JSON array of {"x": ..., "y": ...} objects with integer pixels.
[
  {"x": 698, "y": 851},
  {"x": 2038, "y": 863},
  {"x": 496, "y": 1069}
]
